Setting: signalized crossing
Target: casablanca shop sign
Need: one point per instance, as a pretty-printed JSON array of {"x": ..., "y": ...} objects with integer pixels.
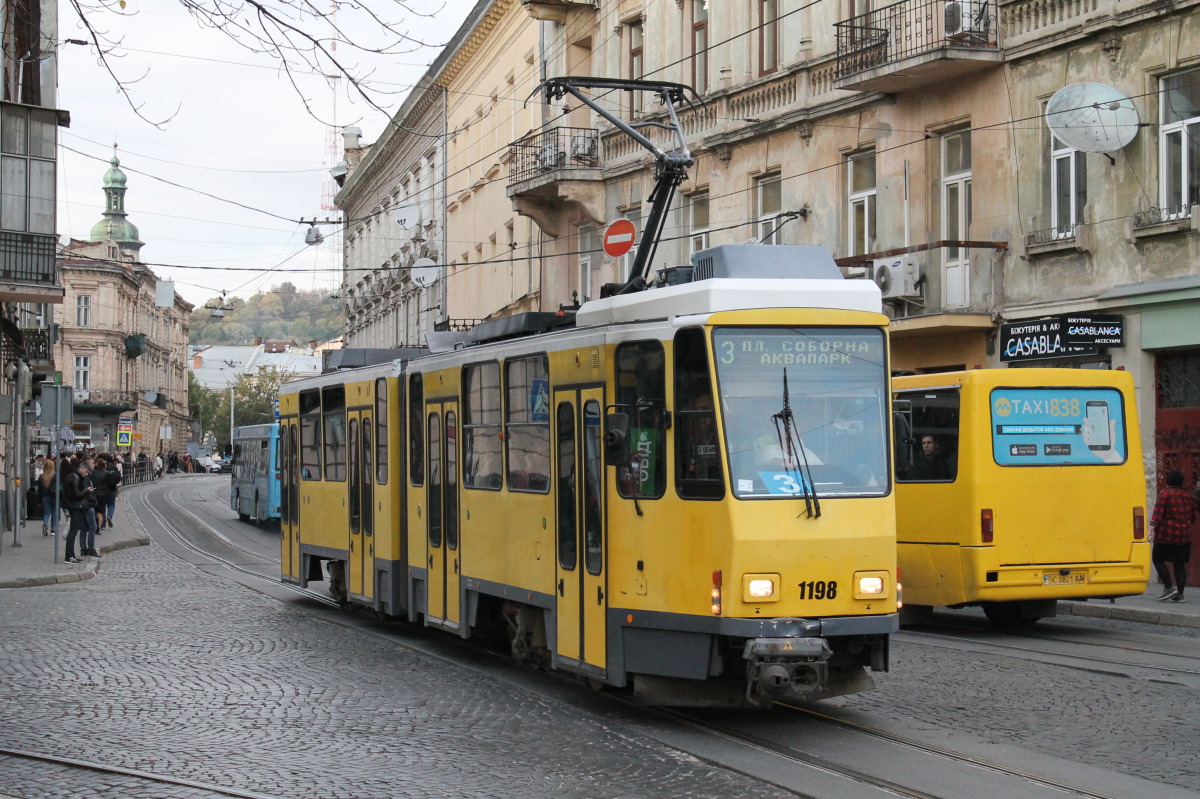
[{"x": 1060, "y": 336}]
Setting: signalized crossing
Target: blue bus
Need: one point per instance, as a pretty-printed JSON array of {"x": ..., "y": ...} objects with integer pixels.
[{"x": 254, "y": 492}]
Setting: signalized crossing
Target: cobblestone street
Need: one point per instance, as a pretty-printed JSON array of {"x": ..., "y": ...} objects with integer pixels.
[{"x": 156, "y": 666}]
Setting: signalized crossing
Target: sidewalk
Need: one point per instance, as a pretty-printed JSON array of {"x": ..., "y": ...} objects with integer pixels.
[
  {"x": 1145, "y": 609},
  {"x": 32, "y": 563}
]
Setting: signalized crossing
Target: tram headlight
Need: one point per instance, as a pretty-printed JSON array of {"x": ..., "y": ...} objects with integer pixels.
[
  {"x": 760, "y": 588},
  {"x": 871, "y": 585}
]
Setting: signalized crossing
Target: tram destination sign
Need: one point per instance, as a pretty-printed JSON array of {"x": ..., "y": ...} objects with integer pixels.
[
  {"x": 1038, "y": 338},
  {"x": 1095, "y": 330}
]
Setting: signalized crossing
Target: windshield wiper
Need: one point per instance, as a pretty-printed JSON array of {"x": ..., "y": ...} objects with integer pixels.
[{"x": 789, "y": 442}]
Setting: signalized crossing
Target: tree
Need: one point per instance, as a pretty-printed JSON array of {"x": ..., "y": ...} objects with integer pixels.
[
  {"x": 337, "y": 40},
  {"x": 254, "y": 401}
]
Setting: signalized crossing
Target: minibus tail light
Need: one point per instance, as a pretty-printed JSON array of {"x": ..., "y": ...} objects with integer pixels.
[
  {"x": 1139, "y": 524},
  {"x": 986, "y": 526}
]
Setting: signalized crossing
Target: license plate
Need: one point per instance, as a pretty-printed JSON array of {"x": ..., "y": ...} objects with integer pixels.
[{"x": 1074, "y": 578}]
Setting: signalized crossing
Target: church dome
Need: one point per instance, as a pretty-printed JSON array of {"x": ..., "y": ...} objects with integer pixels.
[
  {"x": 114, "y": 178},
  {"x": 114, "y": 226}
]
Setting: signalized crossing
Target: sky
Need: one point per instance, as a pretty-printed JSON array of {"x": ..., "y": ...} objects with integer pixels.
[{"x": 231, "y": 128}]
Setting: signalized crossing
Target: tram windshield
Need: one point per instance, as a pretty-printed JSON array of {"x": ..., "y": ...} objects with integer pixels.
[{"x": 805, "y": 410}]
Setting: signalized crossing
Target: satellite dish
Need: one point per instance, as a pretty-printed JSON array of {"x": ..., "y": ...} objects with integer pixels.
[
  {"x": 1092, "y": 117},
  {"x": 407, "y": 215},
  {"x": 883, "y": 279},
  {"x": 423, "y": 271}
]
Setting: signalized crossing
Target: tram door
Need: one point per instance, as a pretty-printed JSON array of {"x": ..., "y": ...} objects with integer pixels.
[
  {"x": 359, "y": 477},
  {"x": 579, "y": 502},
  {"x": 441, "y": 502},
  {"x": 289, "y": 434},
  {"x": 283, "y": 473}
]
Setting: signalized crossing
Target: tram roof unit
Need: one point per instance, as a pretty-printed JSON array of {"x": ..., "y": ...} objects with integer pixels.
[
  {"x": 337, "y": 378},
  {"x": 735, "y": 277}
]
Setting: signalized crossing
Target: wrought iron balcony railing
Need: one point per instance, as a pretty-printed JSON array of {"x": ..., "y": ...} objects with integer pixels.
[
  {"x": 127, "y": 400},
  {"x": 901, "y": 30},
  {"x": 546, "y": 151},
  {"x": 1156, "y": 216}
]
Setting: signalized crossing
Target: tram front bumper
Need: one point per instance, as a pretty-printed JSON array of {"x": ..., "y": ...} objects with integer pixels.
[{"x": 786, "y": 667}]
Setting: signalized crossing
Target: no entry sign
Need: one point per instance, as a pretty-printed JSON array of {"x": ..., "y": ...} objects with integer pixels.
[{"x": 618, "y": 239}]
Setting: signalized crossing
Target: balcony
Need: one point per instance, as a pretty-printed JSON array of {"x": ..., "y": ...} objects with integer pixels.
[
  {"x": 39, "y": 349},
  {"x": 104, "y": 400},
  {"x": 908, "y": 45},
  {"x": 555, "y": 178}
]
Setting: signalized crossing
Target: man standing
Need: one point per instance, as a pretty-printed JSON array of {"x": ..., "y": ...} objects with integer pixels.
[{"x": 77, "y": 492}]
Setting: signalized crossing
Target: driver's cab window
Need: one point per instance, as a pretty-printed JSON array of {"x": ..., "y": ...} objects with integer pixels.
[
  {"x": 927, "y": 435},
  {"x": 641, "y": 393},
  {"x": 697, "y": 452}
]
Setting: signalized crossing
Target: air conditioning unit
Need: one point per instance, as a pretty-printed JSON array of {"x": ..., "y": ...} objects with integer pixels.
[
  {"x": 550, "y": 157},
  {"x": 583, "y": 147},
  {"x": 897, "y": 277},
  {"x": 966, "y": 19}
]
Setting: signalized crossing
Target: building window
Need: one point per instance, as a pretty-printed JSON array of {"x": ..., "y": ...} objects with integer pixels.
[
  {"x": 768, "y": 36},
  {"x": 589, "y": 267},
  {"x": 956, "y": 213},
  {"x": 83, "y": 372},
  {"x": 861, "y": 184},
  {"x": 83, "y": 310},
  {"x": 698, "y": 221},
  {"x": 1068, "y": 188},
  {"x": 634, "y": 215},
  {"x": 637, "y": 65},
  {"x": 767, "y": 205},
  {"x": 700, "y": 46},
  {"x": 1180, "y": 146},
  {"x": 28, "y": 138}
]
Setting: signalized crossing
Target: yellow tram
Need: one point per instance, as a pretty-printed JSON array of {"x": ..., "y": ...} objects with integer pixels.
[
  {"x": 1016, "y": 488},
  {"x": 684, "y": 490}
]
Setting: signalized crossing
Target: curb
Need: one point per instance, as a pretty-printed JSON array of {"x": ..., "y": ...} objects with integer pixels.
[
  {"x": 86, "y": 573},
  {"x": 1128, "y": 614}
]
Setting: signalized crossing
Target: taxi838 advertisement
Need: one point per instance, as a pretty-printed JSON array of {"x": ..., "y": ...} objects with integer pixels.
[{"x": 1057, "y": 426}]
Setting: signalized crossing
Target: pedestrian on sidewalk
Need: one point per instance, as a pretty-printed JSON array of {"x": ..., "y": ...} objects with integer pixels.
[
  {"x": 114, "y": 481},
  {"x": 87, "y": 543},
  {"x": 103, "y": 484},
  {"x": 1171, "y": 532},
  {"x": 47, "y": 489},
  {"x": 76, "y": 493}
]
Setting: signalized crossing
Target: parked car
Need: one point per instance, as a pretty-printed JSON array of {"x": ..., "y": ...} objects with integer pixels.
[
  {"x": 225, "y": 465},
  {"x": 207, "y": 464}
]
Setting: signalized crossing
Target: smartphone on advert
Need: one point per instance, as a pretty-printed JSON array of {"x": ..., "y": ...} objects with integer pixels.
[{"x": 1096, "y": 431}]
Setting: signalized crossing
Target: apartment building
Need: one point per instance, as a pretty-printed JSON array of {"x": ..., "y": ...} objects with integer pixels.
[{"x": 910, "y": 138}]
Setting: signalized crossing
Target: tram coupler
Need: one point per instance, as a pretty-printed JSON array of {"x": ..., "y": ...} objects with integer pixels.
[{"x": 786, "y": 667}]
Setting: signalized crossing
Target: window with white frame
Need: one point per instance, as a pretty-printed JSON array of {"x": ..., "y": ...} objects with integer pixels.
[
  {"x": 1068, "y": 187},
  {"x": 860, "y": 174},
  {"x": 83, "y": 310},
  {"x": 634, "y": 215},
  {"x": 698, "y": 221},
  {"x": 1180, "y": 144},
  {"x": 589, "y": 264},
  {"x": 700, "y": 46},
  {"x": 83, "y": 372},
  {"x": 956, "y": 214},
  {"x": 768, "y": 202}
]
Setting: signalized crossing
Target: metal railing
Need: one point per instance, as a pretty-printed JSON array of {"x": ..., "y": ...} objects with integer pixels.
[
  {"x": 106, "y": 396},
  {"x": 548, "y": 150},
  {"x": 39, "y": 344},
  {"x": 1156, "y": 216},
  {"x": 905, "y": 29},
  {"x": 1050, "y": 235},
  {"x": 27, "y": 256}
]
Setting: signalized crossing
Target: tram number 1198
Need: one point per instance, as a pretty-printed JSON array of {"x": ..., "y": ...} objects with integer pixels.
[{"x": 818, "y": 589}]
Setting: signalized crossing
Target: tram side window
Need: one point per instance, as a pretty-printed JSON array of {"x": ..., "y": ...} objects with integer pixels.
[
  {"x": 927, "y": 435},
  {"x": 310, "y": 435},
  {"x": 641, "y": 393},
  {"x": 416, "y": 430},
  {"x": 482, "y": 458},
  {"x": 697, "y": 454},
  {"x": 381, "y": 428},
  {"x": 527, "y": 434},
  {"x": 334, "y": 415}
]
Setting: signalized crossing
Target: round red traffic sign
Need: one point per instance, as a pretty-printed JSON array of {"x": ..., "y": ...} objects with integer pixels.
[{"x": 618, "y": 239}]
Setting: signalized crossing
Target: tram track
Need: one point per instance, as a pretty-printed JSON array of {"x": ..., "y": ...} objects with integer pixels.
[
  {"x": 1049, "y": 655},
  {"x": 133, "y": 774},
  {"x": 564, "y": 688}
]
